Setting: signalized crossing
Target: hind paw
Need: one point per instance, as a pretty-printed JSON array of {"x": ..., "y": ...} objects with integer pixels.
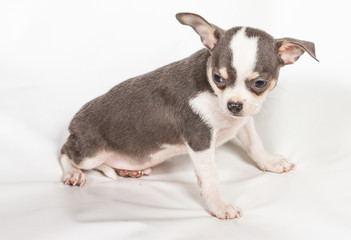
[
  {"x": 133, "y": 174},
  {"x": 76, "y": 178}
]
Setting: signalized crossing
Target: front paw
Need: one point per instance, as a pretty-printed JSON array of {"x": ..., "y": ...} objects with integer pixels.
[
  {"x": 224, "y": 211},
  {"x": 276, "y": 164}
]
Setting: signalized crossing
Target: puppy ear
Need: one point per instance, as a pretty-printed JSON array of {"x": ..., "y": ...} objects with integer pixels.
[
  {"x": 209, "y": 33},
  {"x": 290, "y": 49}
]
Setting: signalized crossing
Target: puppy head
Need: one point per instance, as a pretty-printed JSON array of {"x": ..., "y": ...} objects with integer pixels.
[{"x": 245, "y": 62}]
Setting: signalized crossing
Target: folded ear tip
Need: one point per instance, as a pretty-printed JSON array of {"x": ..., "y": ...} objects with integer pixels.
[{"x": 313, "y": 55}]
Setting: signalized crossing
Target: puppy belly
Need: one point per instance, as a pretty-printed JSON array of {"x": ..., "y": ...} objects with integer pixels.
[{"x": 120, "y": 161}]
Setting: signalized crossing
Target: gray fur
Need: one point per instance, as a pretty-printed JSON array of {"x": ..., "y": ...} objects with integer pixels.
[{"x": 139, "y": 115}]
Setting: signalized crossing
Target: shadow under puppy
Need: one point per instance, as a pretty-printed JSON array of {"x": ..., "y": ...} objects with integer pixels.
[{"x": 190, "y": 106}]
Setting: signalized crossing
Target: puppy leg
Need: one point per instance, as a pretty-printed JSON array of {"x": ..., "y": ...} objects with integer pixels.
[
  {"x": 71, "y": 174},
  {"x": 253, "y": 145},
  {"x": 206, "y": 172}
]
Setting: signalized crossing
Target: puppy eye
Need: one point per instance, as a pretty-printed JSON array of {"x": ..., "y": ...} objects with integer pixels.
[
  {"x": 217, "y": 78},
  {"x": 260, "y": 83}
]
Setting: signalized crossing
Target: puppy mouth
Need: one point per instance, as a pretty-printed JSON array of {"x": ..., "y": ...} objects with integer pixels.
[{"x": 236, "y": 115}]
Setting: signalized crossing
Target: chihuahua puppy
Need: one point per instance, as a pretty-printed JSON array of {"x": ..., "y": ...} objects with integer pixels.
[{"x": 190, "y": 106}]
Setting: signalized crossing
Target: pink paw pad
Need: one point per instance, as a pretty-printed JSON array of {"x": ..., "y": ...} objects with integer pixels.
[{"x": 133, "y": 173}]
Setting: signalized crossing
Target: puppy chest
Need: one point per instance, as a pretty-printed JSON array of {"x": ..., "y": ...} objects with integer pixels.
[{"x": 225, "y": 134}]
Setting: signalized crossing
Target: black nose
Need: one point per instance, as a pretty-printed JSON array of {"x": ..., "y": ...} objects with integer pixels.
[{"x": 235, "y": 107}]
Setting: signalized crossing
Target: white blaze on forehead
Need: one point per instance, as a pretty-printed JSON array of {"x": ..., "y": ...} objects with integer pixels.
[{"x": 244, "y": 51}]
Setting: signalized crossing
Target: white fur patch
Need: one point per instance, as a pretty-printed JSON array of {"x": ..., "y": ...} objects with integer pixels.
[
  {"x": 205, "y": 169},
  {"x": 120, "y": 161},
  {"x": 206, "y": 172},
  {"x": 108, "y": 171},
  {"x": 224, "y": 124},
  {"x": 244, "y": 51}
]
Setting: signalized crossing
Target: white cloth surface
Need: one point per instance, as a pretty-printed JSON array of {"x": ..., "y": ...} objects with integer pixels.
[{"x": 55, "y": 56}]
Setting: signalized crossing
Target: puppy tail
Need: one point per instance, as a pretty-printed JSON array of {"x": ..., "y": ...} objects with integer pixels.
[{"x": 108, "y": 171}]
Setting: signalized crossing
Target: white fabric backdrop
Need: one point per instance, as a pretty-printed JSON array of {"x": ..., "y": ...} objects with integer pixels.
[{"x": 57, "y": 55}]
